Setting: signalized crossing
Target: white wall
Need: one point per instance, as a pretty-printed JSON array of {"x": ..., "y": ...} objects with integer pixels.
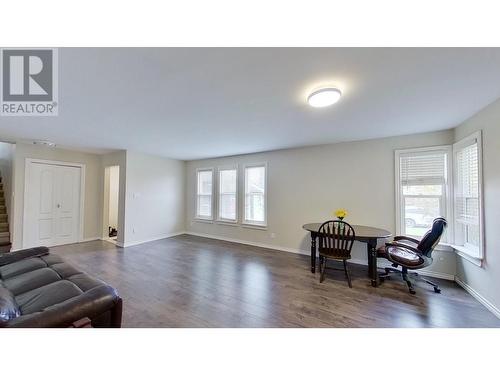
[
  {"x": 93, "y": 187},
  {"x": 114, "y": 184},
  {"x": 486, "y": 279},
  {"x": 155, "y": 191},
  {"x": 308, "y": 184},
  {"x": 6, "y": 155}
]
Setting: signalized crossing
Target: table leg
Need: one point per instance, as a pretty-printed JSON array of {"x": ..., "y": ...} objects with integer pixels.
[
  {"x": 371, "y": 247},
  {"x": 313, "y": 252}
]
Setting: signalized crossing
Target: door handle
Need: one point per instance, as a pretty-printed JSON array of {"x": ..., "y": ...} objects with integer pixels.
[{"x": 58, "y": 205}]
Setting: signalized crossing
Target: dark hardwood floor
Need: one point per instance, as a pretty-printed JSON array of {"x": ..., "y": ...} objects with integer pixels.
[{"x": 189, "y": 281}]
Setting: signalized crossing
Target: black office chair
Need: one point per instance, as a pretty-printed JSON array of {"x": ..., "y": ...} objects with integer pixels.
[
  {"x": 336, "y": 238},
  {"x": 412, "y": 254}
]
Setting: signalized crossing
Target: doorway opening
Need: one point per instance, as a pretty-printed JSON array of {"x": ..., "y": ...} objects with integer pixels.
[{"x": 111, "y": 193}]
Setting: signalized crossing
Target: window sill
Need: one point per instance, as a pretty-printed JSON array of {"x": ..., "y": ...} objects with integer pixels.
[
  {"x": 461, "y": 251},
  {"x": 224, "y": 222},
  {"x": 254, "y": 226},
  {"x": 200, "y": 220}
]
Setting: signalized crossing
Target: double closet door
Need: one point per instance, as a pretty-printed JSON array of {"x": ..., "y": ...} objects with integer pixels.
[{"x": 51, "y": 204}]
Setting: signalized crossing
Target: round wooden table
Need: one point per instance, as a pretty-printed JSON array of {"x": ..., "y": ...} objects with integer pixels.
[{"x": 369, "y": 235}]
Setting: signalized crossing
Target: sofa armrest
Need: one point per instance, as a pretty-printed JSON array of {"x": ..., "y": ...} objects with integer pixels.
[
  {"x": 89, "y": 304},
  {"x": 16, "y": 256}
]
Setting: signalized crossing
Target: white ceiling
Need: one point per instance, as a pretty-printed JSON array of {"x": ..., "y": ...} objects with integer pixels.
[{"x": 190, "y": 103}]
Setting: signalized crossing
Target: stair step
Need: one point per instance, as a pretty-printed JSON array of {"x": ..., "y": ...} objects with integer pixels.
[
  {"x": 4, "y": 235},
  {"x": 5, "y": 248}
]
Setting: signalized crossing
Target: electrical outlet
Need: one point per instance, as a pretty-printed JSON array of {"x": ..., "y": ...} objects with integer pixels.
[{"x": 273, "y": 235}]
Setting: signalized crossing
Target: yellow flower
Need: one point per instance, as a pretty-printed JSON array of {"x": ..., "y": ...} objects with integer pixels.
[{"x": 342, "y": 213}]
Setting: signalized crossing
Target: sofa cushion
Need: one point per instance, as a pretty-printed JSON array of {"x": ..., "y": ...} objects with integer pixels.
[
  {"x": 52, "y": 259},
  {"x": 31, "y": 280},
  {"x": 23, "y": 266},
  {"x": 8, "y": 306},
  {"x": 84, "y": 282},
  {"x": 65, "y": 270},
  {"x": 48, "y": 295}
]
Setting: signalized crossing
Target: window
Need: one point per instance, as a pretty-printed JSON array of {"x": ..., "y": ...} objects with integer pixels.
[
  {"x": 255, "y": 195},
  {"x": 228, "y": 196},
  {"x": 422, "y": 187},
  {"x": 467, "y": 196},
  {"x": 204, "y": 194}
]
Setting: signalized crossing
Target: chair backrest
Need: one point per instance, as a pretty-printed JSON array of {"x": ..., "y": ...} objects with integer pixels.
[
  {"x": 336, "y": 238},
  {"x": 432, "y": 237}
]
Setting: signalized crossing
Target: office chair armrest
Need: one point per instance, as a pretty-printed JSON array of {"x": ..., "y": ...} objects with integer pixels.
[
  {"x": 404, "y": 246},
  {"x": 405, "y": 238}
]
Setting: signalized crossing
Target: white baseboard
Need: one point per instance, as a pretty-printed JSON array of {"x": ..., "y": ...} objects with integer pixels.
[
  {"x": 483, "y": 301},
  {"x": 250, "y": 243},
  {"x": 134, "y": 243},
  {"x": 437, "y": 275},
  {"x": 88, "y": 239},
  {"x": 363, "y": 262}
]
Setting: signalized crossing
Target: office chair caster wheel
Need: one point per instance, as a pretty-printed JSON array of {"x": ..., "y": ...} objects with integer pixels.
[{"x": 437, "y": 290}]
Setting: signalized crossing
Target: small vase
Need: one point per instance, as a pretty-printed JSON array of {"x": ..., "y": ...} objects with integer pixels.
[{"x": 341, "y": 225}]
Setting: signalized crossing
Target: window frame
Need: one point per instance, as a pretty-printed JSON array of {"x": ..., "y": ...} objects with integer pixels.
[
  {"x": 252, "y": 223},
  {"x": 465, "y": 251},
  {"x": 448, "y": 187},
  {"x": 219, "y": 170},
  {"x": 196, "y": 216}
]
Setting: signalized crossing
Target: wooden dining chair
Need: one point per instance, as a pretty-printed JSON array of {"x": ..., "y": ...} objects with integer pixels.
[{"x": 336, "y": 239}]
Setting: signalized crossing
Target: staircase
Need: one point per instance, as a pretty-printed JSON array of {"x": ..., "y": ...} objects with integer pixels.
[{"x": 5, "y": 244}]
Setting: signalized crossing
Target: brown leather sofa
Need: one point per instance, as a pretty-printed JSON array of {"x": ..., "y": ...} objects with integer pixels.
[{"x": 38, "y": 289}]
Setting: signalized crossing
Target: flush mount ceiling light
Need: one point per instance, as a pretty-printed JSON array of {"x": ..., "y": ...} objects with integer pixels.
[
  {"x": 44, "y": 143},
  {"x": 324, "y": 97}
]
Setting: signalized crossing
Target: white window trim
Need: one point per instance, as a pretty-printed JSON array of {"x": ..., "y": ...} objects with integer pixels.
[
  {"x": 204, "y": 219},
  {"x": 463, "y": 251},
  {"x": 249, "y": 223},
  {"x": 449, "y": 188},
  {"x": 219, "y": 219}
]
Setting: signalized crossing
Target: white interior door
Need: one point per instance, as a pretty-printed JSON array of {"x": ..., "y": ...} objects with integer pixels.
[{"x": 52, "y": 205}]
